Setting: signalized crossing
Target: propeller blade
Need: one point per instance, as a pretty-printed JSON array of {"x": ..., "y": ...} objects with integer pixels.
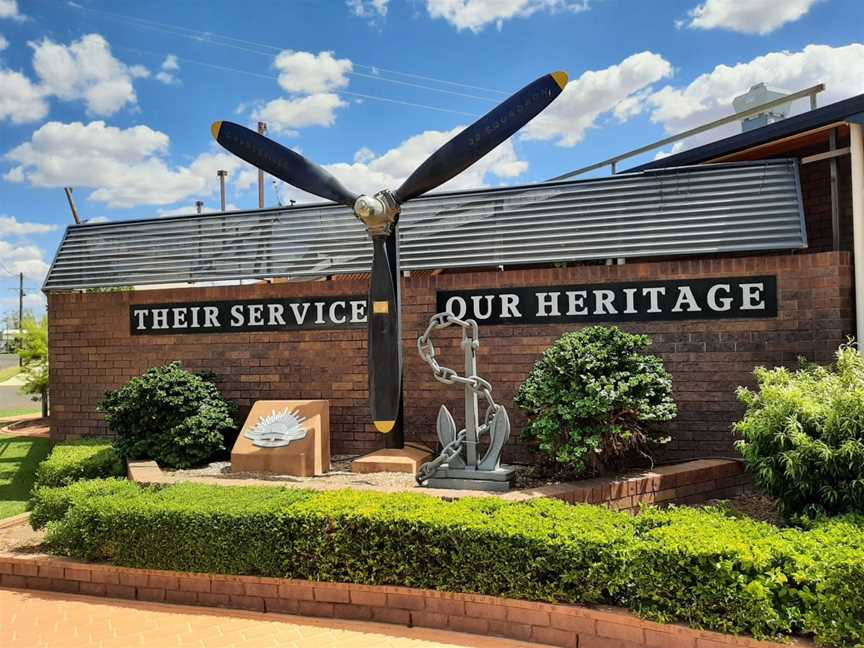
[
  {"x": 385, "y": 361},
  {"x": 482, "y": 136},
  {"x": 281, "y": 162}
]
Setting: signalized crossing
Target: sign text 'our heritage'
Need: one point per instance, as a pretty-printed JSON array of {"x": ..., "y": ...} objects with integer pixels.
[
  {"x": 248, "y": 315},
  {"x": 733, "y": 297}
]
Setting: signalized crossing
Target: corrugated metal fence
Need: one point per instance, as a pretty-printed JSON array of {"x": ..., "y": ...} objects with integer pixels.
[{"x": 688, "y": 210}]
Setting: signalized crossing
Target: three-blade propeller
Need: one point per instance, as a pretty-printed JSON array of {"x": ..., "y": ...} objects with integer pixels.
[{"x": 380, "y": 214}]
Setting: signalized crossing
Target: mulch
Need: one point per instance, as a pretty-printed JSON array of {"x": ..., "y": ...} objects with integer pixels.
[{"x": 28, "y": 426}]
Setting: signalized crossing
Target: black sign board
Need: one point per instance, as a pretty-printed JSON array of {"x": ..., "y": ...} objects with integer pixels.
[
  {"x": 248, "y": 315},
  {"x": 640, "y": 301}
]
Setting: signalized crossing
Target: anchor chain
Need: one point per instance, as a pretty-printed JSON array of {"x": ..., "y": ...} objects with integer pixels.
[{"x": 449, "y": 376}]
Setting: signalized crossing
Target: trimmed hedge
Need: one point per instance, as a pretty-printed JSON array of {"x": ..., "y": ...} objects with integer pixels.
[
  {"x": 71, "y": 462},
  {"x": 702, "y": 567}
]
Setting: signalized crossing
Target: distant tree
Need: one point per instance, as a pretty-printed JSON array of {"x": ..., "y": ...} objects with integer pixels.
[{"x": 33, "y": 351}]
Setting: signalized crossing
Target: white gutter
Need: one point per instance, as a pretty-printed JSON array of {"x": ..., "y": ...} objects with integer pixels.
[{"x": 857, "y": 154}]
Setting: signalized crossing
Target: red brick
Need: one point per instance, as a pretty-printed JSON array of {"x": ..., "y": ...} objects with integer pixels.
[
  {"x": 163, "y": 581},
  {"x": 406, "y": 602},
  {"x": 179, "y": 596},
  {"x": 151, "y": 594},
  {"x": 485, "y": 610},
  {"x": 669, "y": 640},
  {"x": 119, "y": 591},
  {"x": 429, "y": 619},
  {"x": 573, "y": 623},
  {"x": 455, "y": 606},
  {"x": 521, "y": 631},
  {"x": 316, "y": 609},
  {"x": 296, "y": 591},
  {"x": 528, "y": 616},
  {"x": 231, "y": 587},
  {"x": 332, "y": 594},
  {"x": 213, "y": 600},
  {"x": 555, "y": 637},
  {"x": 270, "y": 590},
  {"x": 592, "y": 641},
  {"x": 353, "y": 612},
  {"x": 372, "y": 599},
  {"x": 388, "y": 615},
  {"x": 621, "y": 631},
  {"x": 193, "y": 584},
  {"x": 93, "y": 589},
  {"x": 284, "y": 606},
  {"x": 25, "y": 569},
  {"x": 254, "y": 603}
]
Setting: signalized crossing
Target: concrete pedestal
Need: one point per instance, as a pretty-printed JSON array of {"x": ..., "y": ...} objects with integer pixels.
[
  {"x": 304, "y": 457},
  {"x": 403, "y": 460}
]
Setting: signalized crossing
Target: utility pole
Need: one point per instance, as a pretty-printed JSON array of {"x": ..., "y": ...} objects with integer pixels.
[
  {"x": 262, "y": 129},
  {"x": 72, "y": 206},
  {"x": 222, "y": 173},
  {"x": 199, "y": 206},
  {"x": 20, "y": 310}
]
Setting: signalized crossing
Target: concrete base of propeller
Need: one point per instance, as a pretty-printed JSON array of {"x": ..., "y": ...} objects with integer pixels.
[{"x": 402, "y": 460}]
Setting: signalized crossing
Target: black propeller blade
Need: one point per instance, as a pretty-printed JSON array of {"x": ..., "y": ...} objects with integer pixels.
[
  {"x": 281, "y": 162},
  {"x": 482, "y": 136},
  {"x": 385, "y": 350}
]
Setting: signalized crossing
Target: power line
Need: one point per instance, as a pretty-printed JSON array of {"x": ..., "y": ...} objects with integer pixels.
[{"x": 264, "y": 49}]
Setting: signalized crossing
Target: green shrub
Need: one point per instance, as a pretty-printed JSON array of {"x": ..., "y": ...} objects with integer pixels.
[
  {"x": 803, "y": 436},
  {"x": 701, "y": 567},
  {"x": 595, "y": 396},
  {"x": 171, "y": 415},
  {"x": 70, "y": 462}
]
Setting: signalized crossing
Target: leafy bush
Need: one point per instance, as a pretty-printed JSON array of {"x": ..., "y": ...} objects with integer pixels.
[
  {"x": 594, "y": 396},
  {"x": 803, "y": 436},
  {"x": 70, "y": 462},
  {"x": 169, "y": 414},
  {"x": 697, "y": 566}
]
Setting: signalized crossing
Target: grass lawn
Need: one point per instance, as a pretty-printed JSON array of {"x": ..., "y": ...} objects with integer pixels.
[
  {"x": 21, "y": 411},
  {"x": 19, "y": 457},
  {"x": 9, "y": 372}
]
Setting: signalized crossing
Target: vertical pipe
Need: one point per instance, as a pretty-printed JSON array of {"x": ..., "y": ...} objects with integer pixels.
[
  {"x": 262, "y": 129},
  {"x": 857, "y": 154},
  {"x": 222, "y": 173},
  {"x": 835, "y": 195}
]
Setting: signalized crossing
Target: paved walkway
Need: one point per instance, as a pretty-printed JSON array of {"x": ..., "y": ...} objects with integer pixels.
[{"x": 43, "y": 619}]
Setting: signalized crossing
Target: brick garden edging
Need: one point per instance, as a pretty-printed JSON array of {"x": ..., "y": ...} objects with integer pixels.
[
  {"x": 568, "y": 626},
  {"x": 690, "y": 482}
]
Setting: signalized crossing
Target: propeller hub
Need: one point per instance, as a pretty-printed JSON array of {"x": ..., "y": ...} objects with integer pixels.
[{"x": 378, "y": 213}]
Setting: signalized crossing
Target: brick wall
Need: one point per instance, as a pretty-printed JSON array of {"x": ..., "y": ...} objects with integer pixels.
[{"x": 91, "y": 349}]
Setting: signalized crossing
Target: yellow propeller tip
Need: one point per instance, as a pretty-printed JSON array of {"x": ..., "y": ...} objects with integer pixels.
[
  {"x": 214, "y": 128},
  {"x": 384, "y": 426},
  {"x": 561, "y": 78}
]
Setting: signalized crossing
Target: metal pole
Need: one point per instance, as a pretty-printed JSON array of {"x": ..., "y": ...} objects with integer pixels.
[
  {"x": 856, "y": 146},
  {"x": 471, "y": 419},
  {"x": 20, "y": 310},
  {"x": 222, "y": 173},
  {"x": 199, "y": 206},
  {"x": 72, "y": 206},
  {"x": 835, "y": 194},
  {"x": 262, "y": 130}
]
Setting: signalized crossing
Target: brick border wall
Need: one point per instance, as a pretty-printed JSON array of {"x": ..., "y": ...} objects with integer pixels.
[
  {"x": 691, "y": 482},
  {"x": 91, "y": 350},
  {"x": 557, "y": 625}
]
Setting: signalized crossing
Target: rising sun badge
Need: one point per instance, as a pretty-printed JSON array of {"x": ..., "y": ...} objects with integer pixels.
[{"x": 277, "y": 429}]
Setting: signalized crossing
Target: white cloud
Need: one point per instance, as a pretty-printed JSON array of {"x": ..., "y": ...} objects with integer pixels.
[
  {"x": 368, "y": 8},
  {"x": 86, "y": 70},
  {"x": 125, "y": 167},
  {"x": 11, "y": 226},
  {"x": 307, "y": 73},
  {"x": 710, "y": 95},
  {"x": 286, "y": 115},
  {"x": 369, "y": 172},
  {"x": 3, "y": 43},
  {"x": 167, "y": 69},
  {"x": 9, "y": 9},
  {"x": 619, "y": 88},
  {"x": 191, "y": 211},
  {"x": 477, "y": 14},
  {"x": 747, "y": 16},
  {"x": 23, "y": 258},
  {"x": 21, "y": 101}
]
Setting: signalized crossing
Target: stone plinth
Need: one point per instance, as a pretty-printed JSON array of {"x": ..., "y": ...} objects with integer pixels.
[
  {"x": 404, "y": 460},
  {"x": 304, "y": 457}
]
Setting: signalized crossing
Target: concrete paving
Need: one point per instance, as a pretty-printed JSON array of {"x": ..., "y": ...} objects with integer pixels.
[{"x": 47, "y": 620}]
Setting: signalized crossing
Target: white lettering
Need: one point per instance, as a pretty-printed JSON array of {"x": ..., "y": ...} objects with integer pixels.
[
  {"x": 160, "y": 318},
  {"x": 547, "y": 301},
  {"x": 603, "y": 302},
  {"x": 654, "y": 295},
  {"x": 685, "y": 294},
  {"x": 751, "y": 292},
  {"x": 475, "y": 304},
  {"x": 211, "y": 316},
  {"x": 299, "y": 315},
  {"x": 358, "y": 311},
  {"x": 319, "y": 312},
  {"x": 195, "y": 323},
  {"x": 725, "y": 302},
  {"x": 140, "y": 314},
  {"x": 630, "y": 295},
  {"x": 179, "y": 317},
  {"x": 256, "y": 314},
  {"x": 509, "y": 302},
  {"x": 237, "y": 318},
  {"x": 576, "y": 302},
  {"x": 333, "y": 318},
  {"x": 275, "y": 312},
  {"x": 463, "y": 307}
]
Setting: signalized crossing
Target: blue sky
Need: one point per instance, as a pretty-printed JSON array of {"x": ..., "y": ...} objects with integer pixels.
[{"x": 116, "y": 97}]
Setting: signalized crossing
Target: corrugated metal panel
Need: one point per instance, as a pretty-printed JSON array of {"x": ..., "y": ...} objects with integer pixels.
[{"x": 689, "y": 210}]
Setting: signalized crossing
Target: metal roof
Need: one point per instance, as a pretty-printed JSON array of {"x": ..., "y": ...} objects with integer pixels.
[
  {"x": 743, "y": 206},
  {"x": 810, "y": 120}
]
